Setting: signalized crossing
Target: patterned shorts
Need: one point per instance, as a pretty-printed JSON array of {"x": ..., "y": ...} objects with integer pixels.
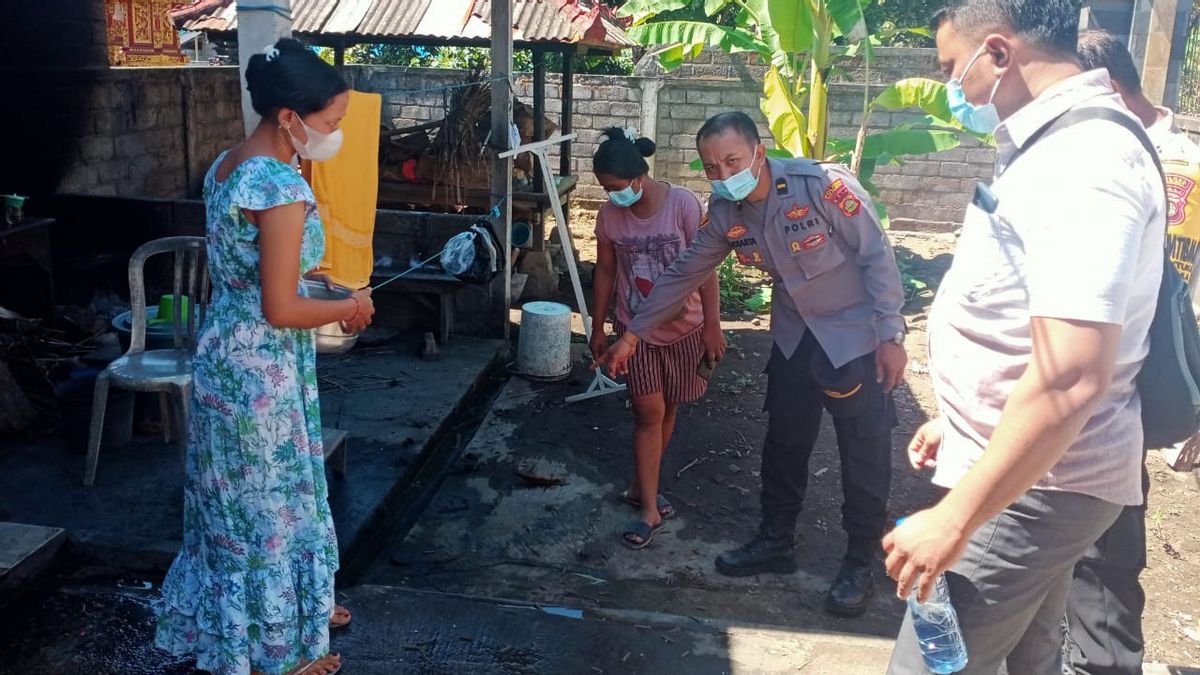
[{"x": 669, "y": 370}]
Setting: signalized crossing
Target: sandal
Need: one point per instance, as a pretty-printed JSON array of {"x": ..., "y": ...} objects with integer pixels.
[
  {"x": 665, "y": 508},
  {"x": 308, "y": 668},
  {"x": 340, "y": 618},
  {"x": 642, "y": 530}
]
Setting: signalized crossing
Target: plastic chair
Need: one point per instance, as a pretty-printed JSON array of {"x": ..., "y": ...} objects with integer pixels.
[{"x": 166, "y": 371}]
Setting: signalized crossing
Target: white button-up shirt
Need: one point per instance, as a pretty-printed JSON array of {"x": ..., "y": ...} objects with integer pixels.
[{"x": 1077, "y": 235}]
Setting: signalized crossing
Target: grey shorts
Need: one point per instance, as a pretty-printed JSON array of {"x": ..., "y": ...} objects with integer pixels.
[{"x": 1010, "y": 588}]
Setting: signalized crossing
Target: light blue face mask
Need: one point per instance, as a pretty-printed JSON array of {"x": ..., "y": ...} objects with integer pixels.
[
  {"x": 626, "y": 197},
  {"x": 738, "y": 186},
  {"x": 982, "y": 119}
]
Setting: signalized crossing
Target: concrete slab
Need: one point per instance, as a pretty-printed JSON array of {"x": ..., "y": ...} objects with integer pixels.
[
  {"x": 25, "y": 552},
  {"x": 488, "y": 534},
  {"x": 392, "y": 404}
]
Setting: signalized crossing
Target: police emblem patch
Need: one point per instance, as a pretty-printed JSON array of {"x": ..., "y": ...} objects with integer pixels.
[{"x": 797, "y": 212}]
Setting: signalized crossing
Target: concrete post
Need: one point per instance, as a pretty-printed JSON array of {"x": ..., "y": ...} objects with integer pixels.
[
  {"x": 259, "y": 26},
  {"x": 1160, "y": 18},
  {"x": 649, "y": 122}
]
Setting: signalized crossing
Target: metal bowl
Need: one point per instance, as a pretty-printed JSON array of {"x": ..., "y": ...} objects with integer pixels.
[{"x": 331, "y": 338}]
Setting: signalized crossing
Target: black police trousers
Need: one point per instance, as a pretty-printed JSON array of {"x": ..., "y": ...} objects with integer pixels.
[
  {"x": 1105, "y": 604},
  {"x": 794, "y": 405}
]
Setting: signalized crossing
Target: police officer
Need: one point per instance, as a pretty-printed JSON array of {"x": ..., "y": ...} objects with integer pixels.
[{"x": 837, "y": 328}]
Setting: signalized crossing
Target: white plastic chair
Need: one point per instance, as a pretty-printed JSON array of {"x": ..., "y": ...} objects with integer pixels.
[{"x": 166, "y": 371}]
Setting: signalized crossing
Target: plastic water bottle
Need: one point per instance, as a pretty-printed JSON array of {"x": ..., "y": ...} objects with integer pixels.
[{"x": 938, "y": 634}]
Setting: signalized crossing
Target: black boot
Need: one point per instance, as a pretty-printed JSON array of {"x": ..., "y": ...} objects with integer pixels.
[
  {"x": 768, "y": 553},
  {"x": 852, "y": 588}
]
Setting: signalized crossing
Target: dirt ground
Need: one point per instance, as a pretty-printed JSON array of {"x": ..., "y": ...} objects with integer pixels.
[{"x": 567, "y": 551}]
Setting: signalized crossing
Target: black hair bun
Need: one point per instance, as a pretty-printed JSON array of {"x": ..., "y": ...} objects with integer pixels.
[
  {"x": 645, "y": 146},
  {"x": 290, "y": 75}
]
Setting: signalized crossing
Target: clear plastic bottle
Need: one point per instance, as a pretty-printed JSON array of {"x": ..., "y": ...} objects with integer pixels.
[{"x": 938, "y": 634}]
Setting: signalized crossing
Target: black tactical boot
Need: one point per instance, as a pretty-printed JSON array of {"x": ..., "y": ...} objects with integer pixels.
[
  {"x": 852, "y": 589},
  {"x": 767, "y": 554}
]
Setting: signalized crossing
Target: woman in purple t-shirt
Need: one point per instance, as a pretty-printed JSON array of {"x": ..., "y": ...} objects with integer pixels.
[{"x": 640, "y": 231}]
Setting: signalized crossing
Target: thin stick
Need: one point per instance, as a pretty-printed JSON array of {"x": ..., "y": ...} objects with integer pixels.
[{"x": 690, "y": 464}]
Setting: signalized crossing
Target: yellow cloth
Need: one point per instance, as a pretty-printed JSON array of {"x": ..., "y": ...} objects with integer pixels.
[{"x": 347, "y": 189}]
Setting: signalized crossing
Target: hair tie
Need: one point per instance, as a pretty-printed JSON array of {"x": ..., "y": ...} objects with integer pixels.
[
  {"x": 631, "y": 134},
  {"x": 271, "y": 52}
]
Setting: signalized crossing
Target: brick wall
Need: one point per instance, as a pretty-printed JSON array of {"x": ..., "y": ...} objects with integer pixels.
[
  {"x": 149, "y": 132},
  {"x": 924, "y": 193},
  {"x": 76, "y": 125},
  {"x": 153, "y": 132}
]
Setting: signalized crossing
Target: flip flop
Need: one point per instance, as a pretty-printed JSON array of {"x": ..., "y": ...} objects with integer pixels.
[
  {"x": 334, "y": 623},
  {"x": 642, "y": 530},
  {"x": 665, "y": 508}
]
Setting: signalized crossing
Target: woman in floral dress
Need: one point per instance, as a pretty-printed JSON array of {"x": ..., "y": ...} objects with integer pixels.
[{"x": 252, "y": 589}]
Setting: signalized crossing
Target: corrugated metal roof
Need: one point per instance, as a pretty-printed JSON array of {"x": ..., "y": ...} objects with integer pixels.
[
  {"x": 394, "y": 18},
  {"x": 308, "y": 16},
  {"x": 554, "y": 21}
]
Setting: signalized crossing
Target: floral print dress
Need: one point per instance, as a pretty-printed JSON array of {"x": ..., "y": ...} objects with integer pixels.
[{"x": 252, "y": 588}]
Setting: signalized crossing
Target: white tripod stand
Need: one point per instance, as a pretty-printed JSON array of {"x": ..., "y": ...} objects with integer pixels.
[{"x": 601, "y": 383}]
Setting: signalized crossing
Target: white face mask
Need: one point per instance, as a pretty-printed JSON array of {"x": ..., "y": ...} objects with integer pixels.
[{"x": 319, "y": 147}]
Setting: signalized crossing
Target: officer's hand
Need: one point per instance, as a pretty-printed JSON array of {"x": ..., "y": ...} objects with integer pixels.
[
  {"x": 714, "y": 344},
  {"x": 923, "y": 449},
  {"x": 890, "y": 360},
  {"x": 616, "y": 357}
]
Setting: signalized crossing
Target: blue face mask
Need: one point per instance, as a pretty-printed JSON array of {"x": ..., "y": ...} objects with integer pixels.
[
  {"x": 626, "y": 197},
  {"x": 738, "y": 186},
  {"x": 982, "y": 119}
]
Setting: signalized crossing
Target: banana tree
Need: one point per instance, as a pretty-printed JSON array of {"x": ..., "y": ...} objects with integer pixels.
[{"x": 804, "y": 42}]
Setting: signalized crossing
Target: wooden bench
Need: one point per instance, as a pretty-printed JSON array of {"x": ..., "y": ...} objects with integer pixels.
[{"x": 422, "y": 285}]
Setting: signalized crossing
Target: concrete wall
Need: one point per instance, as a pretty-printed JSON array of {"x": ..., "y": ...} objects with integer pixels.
[{"x": 927, "y": 192}]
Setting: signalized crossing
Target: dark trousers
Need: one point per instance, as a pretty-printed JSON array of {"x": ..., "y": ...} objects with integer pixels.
[
  {"x": 1104, "y": 607},
  {"x": 794, "y": 405}
]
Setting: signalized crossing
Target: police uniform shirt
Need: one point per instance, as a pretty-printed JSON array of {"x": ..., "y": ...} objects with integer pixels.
[{"x": 818, "y": 237}]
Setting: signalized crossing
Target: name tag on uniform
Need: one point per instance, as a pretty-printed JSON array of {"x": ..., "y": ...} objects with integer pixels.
[{"x": 985, "y": 200}]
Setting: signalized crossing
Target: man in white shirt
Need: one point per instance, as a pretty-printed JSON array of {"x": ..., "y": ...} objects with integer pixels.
[
  {"x": 1035, "y": 338},
  {"x": 1104, "y": 608}
]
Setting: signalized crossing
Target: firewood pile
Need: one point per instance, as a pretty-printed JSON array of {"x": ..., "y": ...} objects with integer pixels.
[
  {"x": 34, "y": 358},
  {"x": 450, "y": 153}
]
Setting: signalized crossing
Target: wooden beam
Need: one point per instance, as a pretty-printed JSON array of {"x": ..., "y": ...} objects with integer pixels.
[
  {"x": 501, "y": 170},
  {"x": 539, "y": 106},
  {"x": 568, "y": 108}
]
